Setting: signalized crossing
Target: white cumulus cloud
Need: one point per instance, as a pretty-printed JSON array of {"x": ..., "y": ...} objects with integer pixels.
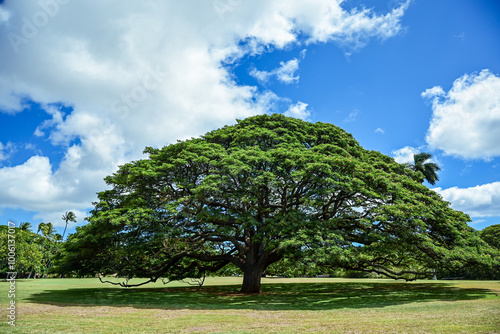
[
  {"x": 145, "y": 73},
  {"x": 298, "y": 110},
  {"x": 285, "y": 73},
  {"x": 5, "y": 151},
  {"x": 479, "y": 201},
  {"x": 466, "y": 119},
  {"x": 4, "y": 16},
  {"x": 405, "y": 154}
]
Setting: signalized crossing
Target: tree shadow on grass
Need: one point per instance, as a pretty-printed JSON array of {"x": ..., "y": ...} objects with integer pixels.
[{"x": 291, "y": 296}]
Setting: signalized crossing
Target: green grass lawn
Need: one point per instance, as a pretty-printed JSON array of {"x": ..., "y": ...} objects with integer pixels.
[{"x": 285, "y": 306}]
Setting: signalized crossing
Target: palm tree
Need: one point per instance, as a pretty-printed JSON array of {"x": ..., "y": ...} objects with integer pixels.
[
  {"x": 49, "y": 235},
  {"x": 26, "y": 226},
  {"x": 41, "y": 227},
  {"x": 67, "y": 217},
  {"x": 47, "y": 230},
  {"x": 429, "y": 169}
]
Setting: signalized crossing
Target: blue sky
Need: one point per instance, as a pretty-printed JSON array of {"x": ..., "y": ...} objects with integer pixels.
[{"x": 85, "y": 86}]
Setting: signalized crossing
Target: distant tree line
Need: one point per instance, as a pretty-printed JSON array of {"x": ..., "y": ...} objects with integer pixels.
[{"x": 36, "y": 253}]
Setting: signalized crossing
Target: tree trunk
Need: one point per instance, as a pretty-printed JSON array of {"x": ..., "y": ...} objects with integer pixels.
[
  {"x": 252, "y": 276},
  {"x": 257, "y": 259}
]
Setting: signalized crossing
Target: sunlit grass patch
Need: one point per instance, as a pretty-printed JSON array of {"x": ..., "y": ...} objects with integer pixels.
[{"x": 285, "y": 306}]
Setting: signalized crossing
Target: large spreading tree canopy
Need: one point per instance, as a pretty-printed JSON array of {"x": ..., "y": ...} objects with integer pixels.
[{"x": 269, "y": 188}]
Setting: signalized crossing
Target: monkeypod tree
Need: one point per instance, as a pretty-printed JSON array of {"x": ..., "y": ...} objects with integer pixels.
[{"x": 265, "y": 189}]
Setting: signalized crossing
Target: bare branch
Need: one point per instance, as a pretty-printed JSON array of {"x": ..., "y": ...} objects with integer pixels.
[{"x": 126, "y": 285}]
